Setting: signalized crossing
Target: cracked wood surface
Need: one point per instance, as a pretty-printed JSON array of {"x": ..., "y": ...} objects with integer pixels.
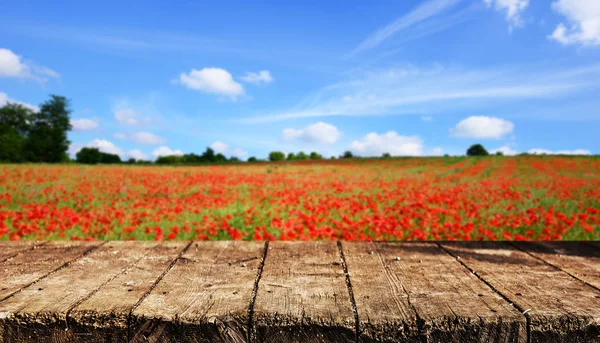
[
  {"x": 559, "y": 307},
  {"x": 396, "y": 283},
  {"x": 302, "y": 295},
  {"x": 203, "y": 298},
  {"x": 299, "y": 292}
]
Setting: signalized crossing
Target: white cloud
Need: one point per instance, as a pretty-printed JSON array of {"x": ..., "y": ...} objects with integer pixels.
[
  {"x": 4, "y": 99},
  {"x": 505, "y": 150},
  {"x": 120, "y": 136},
  {"x": 11, "y": 65},
  {"x": 374, "y": 144},
  {"x": 437, "y": 151},
  {"x": 219, "y": 147},
  {"x": 423, "y": 12},
  {"x": 427, "y": 118},
  {"x": 482, "y": 127},
  {"x": 559, "y": 152},
  {"x": 165, "y": 151},
  {"x": 146, "y": 138},
  {"x": 84, "y": 124},
  {"x": 513, "y": 9},
  {"x": 584, "y": 17},
  {"x": 315, "y": 133},
  {"x": 212, "y": 80},
  {"x": 239, "y": 153},
  {"x": 263, "y": 76},
  {"x": 222, "y": 148},
  {"x": 137, "y": 154},
  {"x": 130, "y": 117},
  {"x": 410, "y": 90}
]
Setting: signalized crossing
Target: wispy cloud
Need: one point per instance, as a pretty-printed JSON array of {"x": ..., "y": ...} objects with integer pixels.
[
  {"x": 423, "y": 12},
  {"x": 416, "y": 90}
]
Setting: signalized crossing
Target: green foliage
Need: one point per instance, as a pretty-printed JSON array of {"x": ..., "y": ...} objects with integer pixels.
[
  {"x": 220, "y": 158},
  {"x": 252, "y": 159},
  {"x": 302, "y": 156},
  {"x": 347, "y": 154},
  {"x": 291, "y": 156},
  {"x": 386, "y": 155},
  {"x": 109, "y": 158},
  {"x": 14, "y": 126},
  {"x": 477, "y": 150},
  {"x": 499, "y": 153},
  {"x": 47, "y": 141},
  {"x": 275, "y": 156},
  {"x": 315, "y": 156},
  {"x": 95, "y": 156},
  {"x": 171, "y": 159},
  {"x": 88, "y": 156}
]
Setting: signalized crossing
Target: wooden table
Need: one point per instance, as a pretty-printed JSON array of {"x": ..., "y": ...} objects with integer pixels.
[{"x": 299, "y": 292}]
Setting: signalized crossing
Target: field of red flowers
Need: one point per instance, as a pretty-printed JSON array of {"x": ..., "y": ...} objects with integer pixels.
[{"x": 494, "y": 198}]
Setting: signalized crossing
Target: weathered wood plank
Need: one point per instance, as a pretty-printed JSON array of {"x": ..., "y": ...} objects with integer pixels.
[
  {"x": 40, "y": 312},
  {"x": 578, "y": 259},
  {"x": 302, "y": 295},
  {"x": 104, "y": 316},
  {"x": 383, "y": 306},
  {"x": 559, "y": 308},
  {"x": 204, "y": 297},
  {"x": 452, "y": 304},
  {"x": 10, "y": 249},
  {"x": 30, "y": 266}
]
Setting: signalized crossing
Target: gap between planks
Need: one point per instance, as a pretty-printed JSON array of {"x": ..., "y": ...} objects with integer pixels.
[
  {"x": 522, "y": 311},
  {"x": 160, "y": 277},
  {"x": 255, "y": 293},
  {"x": 553, "y": 265}
]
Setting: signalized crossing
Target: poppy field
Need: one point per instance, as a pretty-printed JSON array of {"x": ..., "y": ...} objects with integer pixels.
[{"x": 449, "y": 198}]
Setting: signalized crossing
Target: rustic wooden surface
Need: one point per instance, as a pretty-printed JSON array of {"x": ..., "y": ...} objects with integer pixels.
[
  {"x": 300, "y": 292},
  {"x": 302, "y": 295},
  {"x": 558, "y": 307}
]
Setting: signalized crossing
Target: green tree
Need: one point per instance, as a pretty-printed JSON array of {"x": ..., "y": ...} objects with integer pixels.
[
  {"x": 14, "y": 127},
  {"x": 477, "y": 150},
  {"x": 386, "y": 155},
  {"x": 301, "y": 156},
  {"x": 252, "y": 159},
  {"x": 171, "y": 159},
  {"x": 88, "y": 156},
  {"x": 291, "y": 156},
  {"x": 209, "y": 155},
  {"x": 347, "y": 154},
  {"x": 315, "y": 156},
  {"x": 109, "y": 158},
  {"x": 275, "y": 156},
  {"x": 499, "y": 153},
  {"x": 11, "y": 146},
  {"x": 220, "y": 158},
  {"x": 47, "y": 140}
]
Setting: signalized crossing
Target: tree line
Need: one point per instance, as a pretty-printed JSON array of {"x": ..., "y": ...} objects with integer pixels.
[{"x": 39, "y": 135}]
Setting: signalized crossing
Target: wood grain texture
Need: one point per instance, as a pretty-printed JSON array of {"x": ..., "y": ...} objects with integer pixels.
[
  {"x": 30, "y": 266},
  {"x": 40, "y": 311},
  {"x": 578, "y": 259},
  {"x": 105, "y": 315},
  {"x": 203, "y": 298},
  {"x": 10, "y": 249},
  {"x": 559, "y": 308},
  {"x": 452, "y": 304},
  {"x": 302, "y": 295}
]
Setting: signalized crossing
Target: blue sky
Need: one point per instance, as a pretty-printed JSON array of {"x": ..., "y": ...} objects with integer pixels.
[{"x": 149, "y": 78}]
